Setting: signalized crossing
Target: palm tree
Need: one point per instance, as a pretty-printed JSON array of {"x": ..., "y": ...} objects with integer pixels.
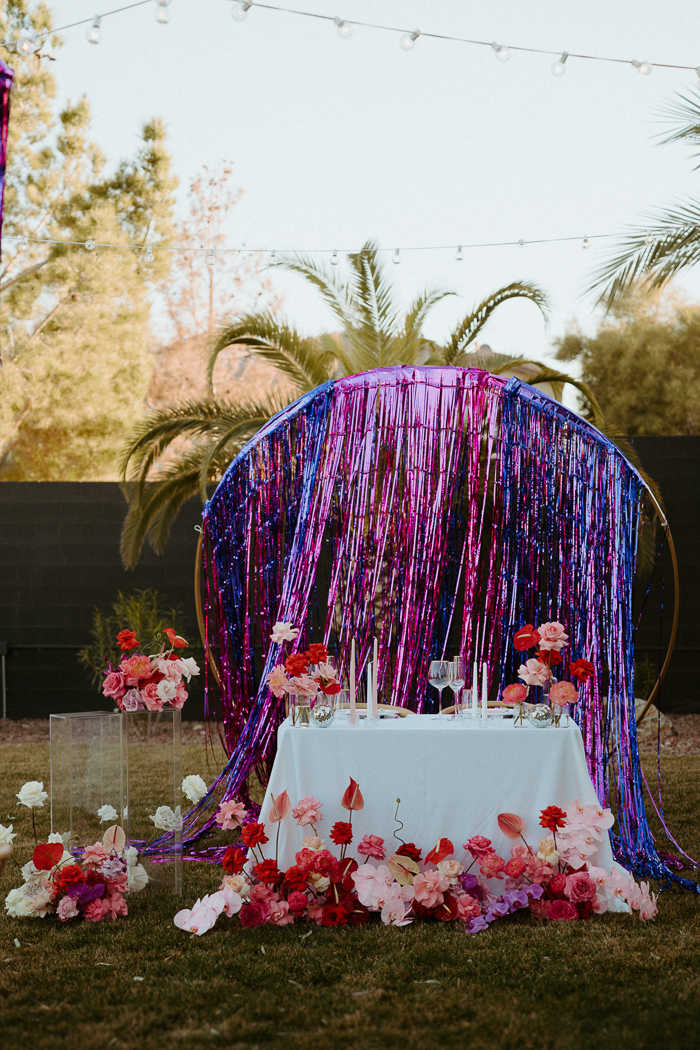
[
  {"x": 373, "y": 333},
  {"x": 655, "y": 252}
]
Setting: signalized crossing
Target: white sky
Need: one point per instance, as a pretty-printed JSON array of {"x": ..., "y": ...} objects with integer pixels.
[{"x": 338, "y": 140}]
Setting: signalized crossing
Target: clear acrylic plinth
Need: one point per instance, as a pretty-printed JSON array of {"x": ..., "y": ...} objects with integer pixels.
[
  {"x": 153, "y": 780},
  {"x": 86, "y": 774}
]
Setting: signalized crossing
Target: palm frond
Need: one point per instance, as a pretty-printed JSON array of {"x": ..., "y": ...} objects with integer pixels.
[
  {"x": 372, "y": 297},
  {"x": 327, "y": 281},
  {"x": 301, "y": 360},
  {"x": 469, "y": 328},
  {"x": 685, "y": 114}
]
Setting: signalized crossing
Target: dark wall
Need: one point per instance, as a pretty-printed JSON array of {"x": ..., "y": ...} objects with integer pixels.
[
  {"x": 674, "y": 463},
  {"x": 59, "y": 558}
]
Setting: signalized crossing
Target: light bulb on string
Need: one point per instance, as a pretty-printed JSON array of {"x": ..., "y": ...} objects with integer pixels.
[
  {"x": 345, "y": 29},
  {"x": 459, "y": 256},
  {"x": 644, "y": 68},
  {"x": 273, "y": 258},
  {"x": 559, "y": 67},
  {"x": 408, "y": 40},
  {"x": 90, "y": 245},
  {"x": 149, "y": 257},
  {"x": 93, "y": 35},
  {"x": 649, "y": 237},
  {"x": 162, "y": 14},
  {"x": 210, "y": 258},
  {"x": 26, "y": 45},
  {"x": 23, "y": 245},
  {"x": 697, "y": 70},
  {"x": 240, "y": 10},
  {"x": 502, "y": 53},
  {"x": 395, "y": 258},
  {"x": 334, "y": 258},
  {"x": 585, "y": 242}
]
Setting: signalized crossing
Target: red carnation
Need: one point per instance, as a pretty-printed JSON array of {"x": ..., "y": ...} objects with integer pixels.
[
  {"x": 233, "y": 861},
  {"x": 333, "y": 915},
  {"x": 582, "y": 669},
  {"x": 296, "y": 664},
  {"x": 552, "y": 818},
  {"x": 341, "y": 833},
  {"x": 67, "y": 877},
  {"x": 127, "y": 640},
  {"x": 295, "y": 878},
  {"x": 409, "y": 849},
  {"x": 526, "y": 638},
  {"x": 550, "y": 657},
  {"x": 317, "y": 653},
  {"x": 268, "y": 872},
  {"x": 253, "y": 834}
]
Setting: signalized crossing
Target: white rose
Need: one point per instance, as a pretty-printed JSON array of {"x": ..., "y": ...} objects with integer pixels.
[
  {"x": 166, "y": 689},
  {"x": 18, "y": 906},
  {"x": 238, "y": 883},
  {"x": 106, "y": 813},
  {"x": 191, "y": 667},
  {"x": 64, "y": 839},
  {"x": 32, "y": 794},
  {"x": 164, "y": 818},
  {"x": 7, "y": 834},
  {"x": 451, "y": 869},
  {"x": 137, "y": 878},
  {"x": 319, "y": 882},
  {"x": 194, "y": 787},
  {"x": 41, "y": 903},
  {"x": 131, "y": 856}
]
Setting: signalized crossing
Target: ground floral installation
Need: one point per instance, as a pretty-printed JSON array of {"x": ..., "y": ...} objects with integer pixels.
[
  {"x": 149, "y": 683},
  {"x": 555, "y": 881},
  {"x": 548, "y": 639}
]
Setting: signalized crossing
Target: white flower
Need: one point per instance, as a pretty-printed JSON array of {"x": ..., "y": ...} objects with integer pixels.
[
  {"x": 7, "y": 834},
  {"x": 283, "y": 632},
  {"x": 106, "y": 813},
  {"x": 238, "y": 884},
  {"x": 64, "y": 839},
  {"x": 166, "y": 689},
  {"x": 18, "y": 906},
  {"x": 31, "y": 875},
  {"x": 32, "y": 794},
  {"x": 190, "y": 666},
  {"x": 194, "y": 787},
  {"x": 137, "y": 878},
  {"x": 164, "y": 818}
]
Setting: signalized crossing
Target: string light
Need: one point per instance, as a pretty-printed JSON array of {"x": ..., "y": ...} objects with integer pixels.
[
  {"x": 210, "y": 258},
  {"x": 395, "y": 258},
  {"x": 502, "y": 53},
  {"x": 459, "y": 256},
  {"x": 23, "y": 245},
  {"x": 697, "y": 70},
  {"x": 344, "y": 28},
  {"x": 273, "y": 259},
  {"x": 90, "y": 245},
  {"x": 334, "y": 258},
  {"x": 408, "y": 40},
  {"x": 162, "y": 14},
  {"x": 644, "y": 68},
  {"x": 585, "y": 243},
  {"x": 559, "y": 67},
  {"x": 93, "y": 35},
  {"x": 27, "y": 45},
  {"x": 240, "y": 10},
  {"x": 649, "y": 237},
  {"x": 149, "y": 257}
]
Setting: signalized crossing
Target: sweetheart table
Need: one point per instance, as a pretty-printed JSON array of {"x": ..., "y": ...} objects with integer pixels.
[{"x": 453, "y": 779}]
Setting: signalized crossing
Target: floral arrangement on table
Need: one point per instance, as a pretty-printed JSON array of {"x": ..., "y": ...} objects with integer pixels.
[
  {"x": 293, "y": 677},
  {"x": 555, "y": 881},
  {"x": 548, "y": 639},
  {"x": 149, "y": 683}
]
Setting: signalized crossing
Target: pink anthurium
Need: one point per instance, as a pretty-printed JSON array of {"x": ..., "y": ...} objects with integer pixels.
[
  {"x": 352, "y": 799},
  {"x": 511, "y": 825},
  {"x": 280, "y": 808},
  {"x": 114, "y": 838}
]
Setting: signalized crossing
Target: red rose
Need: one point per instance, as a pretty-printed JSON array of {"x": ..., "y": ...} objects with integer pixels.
[
  {"x": 526, "y": 638},
  {"x": 296, "y": 664},
  {"x": 359, "y": 915},
  {"x": 297, "y": 901},
  {"x": 582, "y": 669},
  {"x": 295, "y": 878},
  {"x": 253, "y": 834},
  {"x": 127, "y": 640},
  {"x": 447, "y": 910},
  {"x": 333, "y": 915},
  {"x": 67, "y": 877},
  {"x": 233, "y": 861},
  {"x": 552, "y": 818},
  {"x": 341, "y": 833},
  {"x": 251, "y": 915},
  {"x": 561, "y": 909},
  {"x": 269, "y": 873},
  {"x": 557, "y": 885},
  {"x": 549, "y": 657},
  {"x": 409, "y": 849},
  {"x": 317, "y": 653}
]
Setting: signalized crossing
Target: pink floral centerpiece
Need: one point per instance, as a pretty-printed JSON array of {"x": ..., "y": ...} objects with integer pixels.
[
  {"x": 548, "y": 639},
  {"x": 150, "y": 683},
  {"x": 306, "y": 675}
]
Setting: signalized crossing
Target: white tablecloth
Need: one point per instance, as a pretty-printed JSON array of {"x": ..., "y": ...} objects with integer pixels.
[{"x": 452, "y": 781}]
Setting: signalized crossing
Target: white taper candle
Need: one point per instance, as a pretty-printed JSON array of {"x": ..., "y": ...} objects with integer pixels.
[{"x": 353, "y": 692}]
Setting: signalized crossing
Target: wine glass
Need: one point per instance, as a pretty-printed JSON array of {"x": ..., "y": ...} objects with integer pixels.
[
  {"x": 439, "y": 677},
  {"x": 457, "y": 678}
]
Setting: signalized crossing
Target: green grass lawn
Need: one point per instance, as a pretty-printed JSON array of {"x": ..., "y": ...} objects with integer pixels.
[{"x": 611, "y": 982}]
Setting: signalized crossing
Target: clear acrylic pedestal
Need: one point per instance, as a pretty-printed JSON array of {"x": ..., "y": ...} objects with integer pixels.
[
  {"x": 154, "y": 780},
  {"x": 87, "y": 773}
]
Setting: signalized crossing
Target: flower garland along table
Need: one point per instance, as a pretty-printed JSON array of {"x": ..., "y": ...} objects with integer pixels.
[{"x": 452, "y": 781}]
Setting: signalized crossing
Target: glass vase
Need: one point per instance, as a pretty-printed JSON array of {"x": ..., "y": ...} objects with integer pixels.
[
  {"x": 520, "y": 714},
  {"x": 299, "y": 711},
  {"x": 561, "y": 716}
]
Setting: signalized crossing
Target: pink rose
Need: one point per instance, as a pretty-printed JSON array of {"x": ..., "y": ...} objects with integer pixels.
[
  {"x": 429, "y": 888},
  {"x": 534, "y": 672},
  {"x": 515, "y": 867},
  {"x": 580, "y": 887},
  {"x": 251, "y": 915},
  {"x": 451, "y": 869},
  {"x": 166, "y": 689},
  {"x": 178, "y": 701},
  {"x": 97, "y": 910},
  {"x": 307, "y": 811},
  {"x": 95, "y": 856},
  {"x": 552, "y": 635},
  {"x": 117, "y": 905},
  {"x": 231, "y": 815},
  {"x": 262, "y": 894},
  {"x": 468, "y": 908},
  {"x": 131, "y": 701},
  {"x": 478, "y": 846},
  {"x": 114, "y": 685},
  {"x": 561, "y": 909},
  {"x": 514, "y": 694},
  {"x": 67, "y": 909},
  {"x": 297, "y": 901},
  {"x": 372, "y": 846},
  {"x": 136, "y": 667},
  {"x": 557, "y": 884},
  {"x": 277, "y": 680},
  {"x": 279, "y": 913},
  {"x": 492, "y": 866},
  {"x": 172, "y": 669},
  {"x": 149, "y": 695},
  {"x": 563, "y": 693}
]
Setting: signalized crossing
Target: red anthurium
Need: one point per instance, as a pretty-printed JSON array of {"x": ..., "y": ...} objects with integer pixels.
[
  {"x": 352, "y": 799},
  {"x": 443, "y": 849},
  {"x": 279, "y": 808},
  {"x": 47, "y": 855},
  {"x": 175, "y": 640},
  {"x": 526, "y": 638},
  {"x": 511, "y": 825}
]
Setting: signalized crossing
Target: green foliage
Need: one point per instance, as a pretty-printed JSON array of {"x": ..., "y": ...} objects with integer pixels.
[
  {"x": 74, "y": 365},
  {"x": 643, "y": 364},
  {"x": 140, "y": 612}
]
